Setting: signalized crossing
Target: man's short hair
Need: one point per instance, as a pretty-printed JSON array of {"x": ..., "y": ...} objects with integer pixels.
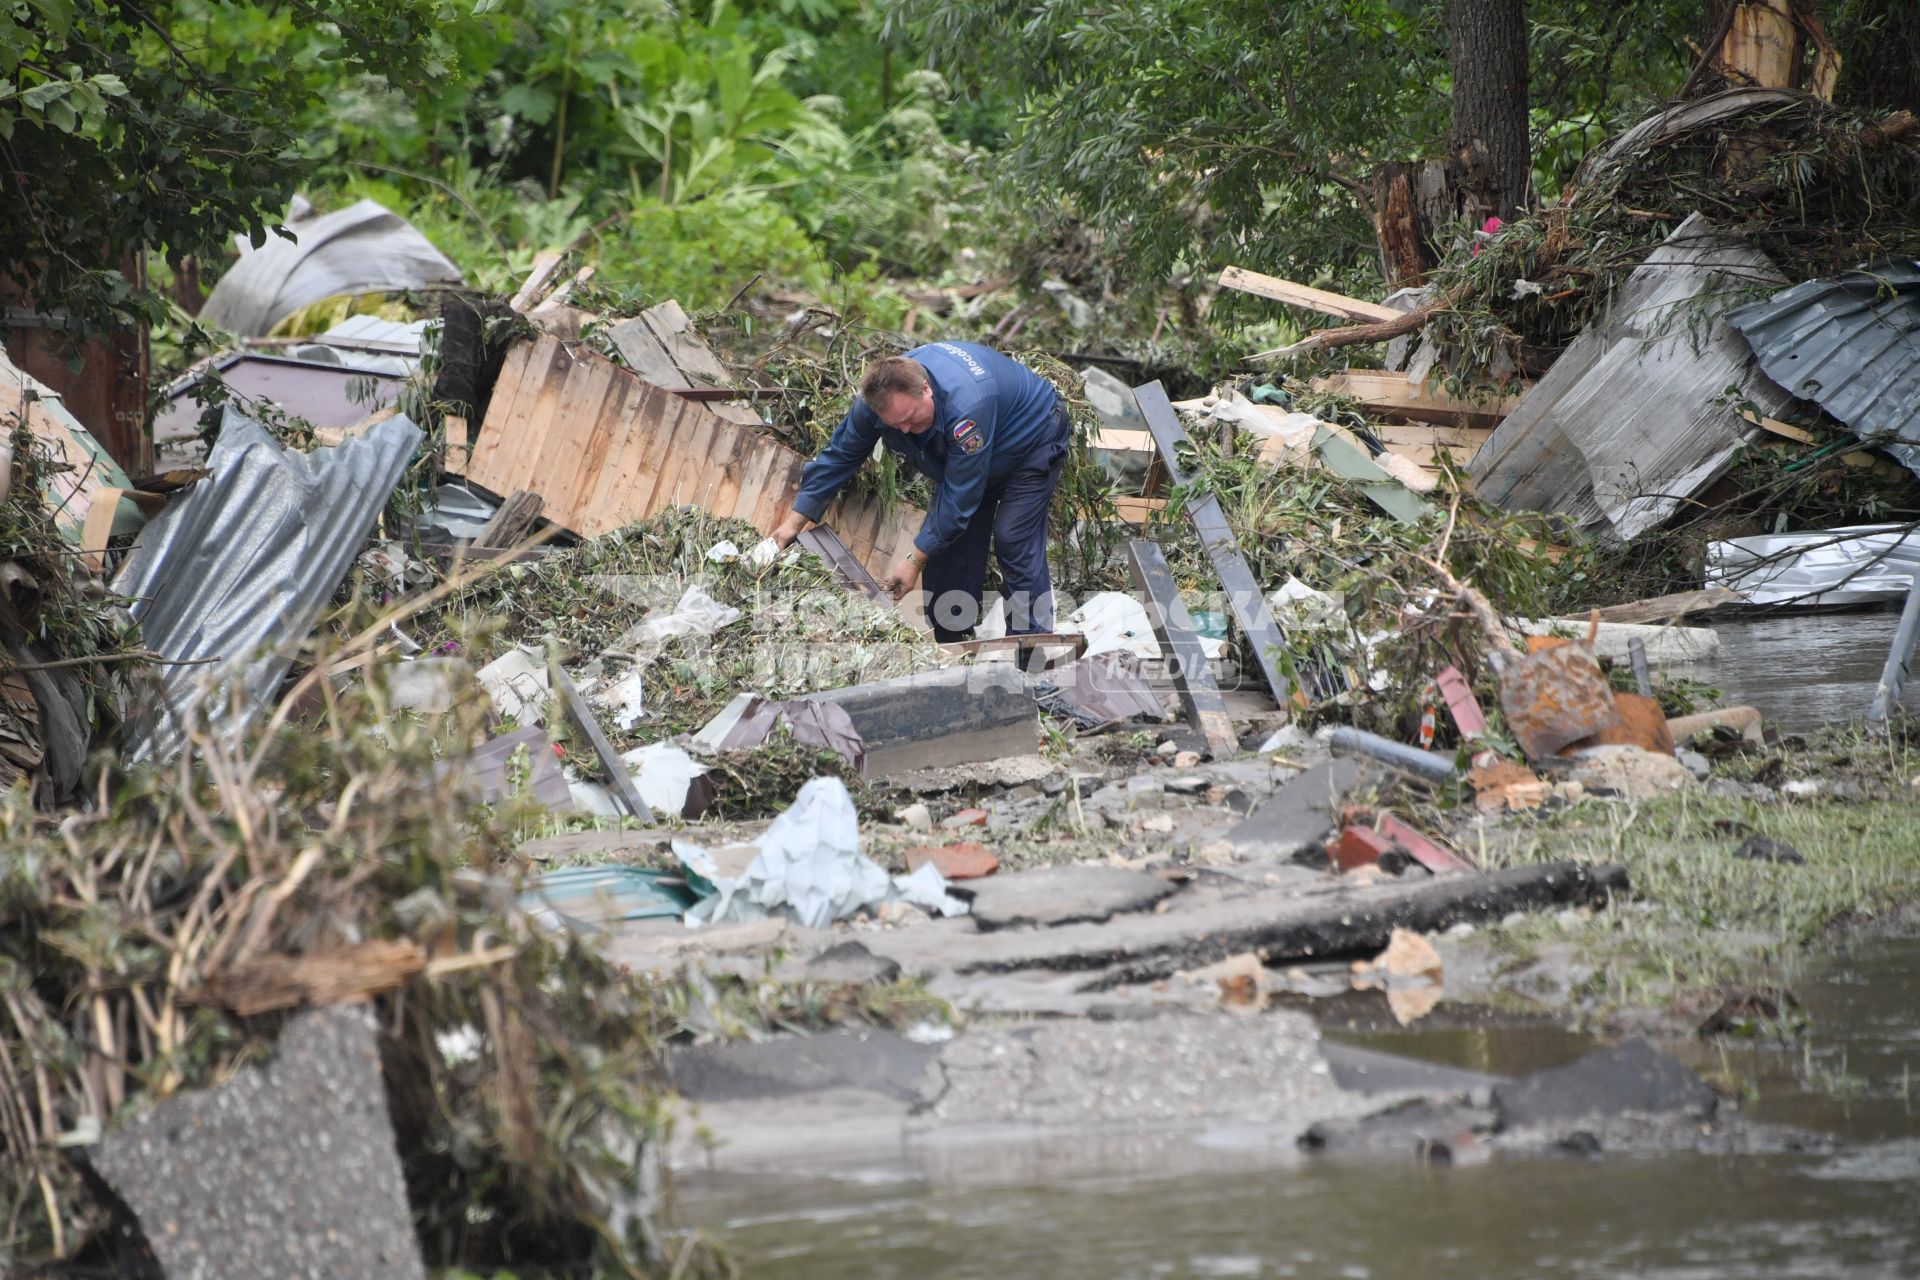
[{"x": 893, "y": 376}]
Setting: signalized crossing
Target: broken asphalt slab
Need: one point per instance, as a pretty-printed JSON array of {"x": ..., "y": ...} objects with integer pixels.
[
  {"x": 1300, "y": 815},
  {"x": 1278, "y": 925},
  {"x": 1070, "y": 894},
  {"x": 288, "y": 1169},
  {"x": 870, "y": 1061}
]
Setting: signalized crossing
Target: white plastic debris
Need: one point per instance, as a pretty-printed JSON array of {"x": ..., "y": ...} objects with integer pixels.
[
  {"x": 809, "y": 867},
  {"x": 1854, "y": 564},
  {"x": 594, "y": 798},
  {"x": 721, "y": 552},
  {"x": 662, "y": 774},
  {"x": 697, "y": 614},
  {"x": 517, "y": 683},
  {"x": 625, "y": 699},
  {"x": 764, "y": 553},
  {"x": 1113, "y": 620}
]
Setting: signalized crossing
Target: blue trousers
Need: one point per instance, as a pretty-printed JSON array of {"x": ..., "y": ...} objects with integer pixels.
[{"x": 1012, "y": 519}]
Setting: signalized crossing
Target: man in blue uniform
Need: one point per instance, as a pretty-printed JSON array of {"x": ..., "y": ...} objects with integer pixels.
[{"x": 992, "y": 436}]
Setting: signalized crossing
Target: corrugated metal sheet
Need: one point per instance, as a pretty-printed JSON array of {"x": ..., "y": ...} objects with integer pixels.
[
  {"x": 238, "y": 568},
  {"x": 364, "y": 248},
  {"x": 1632, "y": 419},
  {"x": 1851, "y": 345}
]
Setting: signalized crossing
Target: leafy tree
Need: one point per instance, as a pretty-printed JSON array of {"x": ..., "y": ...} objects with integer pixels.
[
  {"x": 169, "y": 125},
  {"x": 1252, "y": 130}
]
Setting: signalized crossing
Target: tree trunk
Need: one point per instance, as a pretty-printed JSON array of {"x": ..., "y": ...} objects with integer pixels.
[{"x": 1488, "y": 146}]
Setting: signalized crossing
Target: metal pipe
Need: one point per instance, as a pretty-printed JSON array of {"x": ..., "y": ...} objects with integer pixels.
[
  {"x": 1886, "y": 694},
  {"x": 1424, "y": 764}
]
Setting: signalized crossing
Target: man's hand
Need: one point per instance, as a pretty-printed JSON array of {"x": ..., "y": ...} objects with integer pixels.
[
  {"x": 904, "y": 578},
  {"x": 788, "y": 529}
]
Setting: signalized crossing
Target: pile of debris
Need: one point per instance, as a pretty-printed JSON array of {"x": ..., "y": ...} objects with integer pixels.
[{"x": 410, "y": 608}]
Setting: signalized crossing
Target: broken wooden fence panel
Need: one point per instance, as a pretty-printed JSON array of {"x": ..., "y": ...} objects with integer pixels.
[
  {"x": 1244, "y": 597},
  {"x": 605, "y": 447},
  {"x": 1199, "y": 695}
]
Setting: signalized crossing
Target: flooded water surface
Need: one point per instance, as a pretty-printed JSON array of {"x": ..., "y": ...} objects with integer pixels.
[
  {"x": 1804, "y": 670},
  {"x": 1115, "y": 1213}
]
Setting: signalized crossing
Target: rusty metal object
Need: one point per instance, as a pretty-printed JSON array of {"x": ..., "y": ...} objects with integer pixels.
[
  {"x": 1642, "y": 724},
  {"x": 1555, "y": 697}
]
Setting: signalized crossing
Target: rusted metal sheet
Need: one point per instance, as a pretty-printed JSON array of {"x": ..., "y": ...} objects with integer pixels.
[{"x": 1555, "y": 697}]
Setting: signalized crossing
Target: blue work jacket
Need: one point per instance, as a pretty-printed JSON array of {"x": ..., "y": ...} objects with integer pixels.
[{"x": 992, "y": 416}]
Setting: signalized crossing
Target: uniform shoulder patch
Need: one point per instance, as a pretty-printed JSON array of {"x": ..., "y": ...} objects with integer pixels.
[{"x": 966, "y": 434}]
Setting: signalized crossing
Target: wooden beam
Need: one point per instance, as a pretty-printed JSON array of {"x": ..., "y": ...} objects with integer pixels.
[
  {"x": 582, "y": 716},
  {"x": 1244, "y": 597},
  {"x": 544, "y": 265},
  {"x": 1662, "y": 609},
  {"x": 1299, "y": 295},
  {"x": 99, "y": 527},
  {"x": 510, "y": 523},
  {"x": 1199, "y": 694},
  {"x": 1391, "y": 396},
  {"x": 1774, "y": 426}
]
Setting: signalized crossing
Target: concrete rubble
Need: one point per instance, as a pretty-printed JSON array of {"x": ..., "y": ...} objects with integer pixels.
[{"x": 288, "y": 1169}]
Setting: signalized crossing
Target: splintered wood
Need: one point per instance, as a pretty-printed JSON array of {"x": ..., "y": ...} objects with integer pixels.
[
  {"x": 327, "y": 977},
  {"x": 604, "y": 448}
]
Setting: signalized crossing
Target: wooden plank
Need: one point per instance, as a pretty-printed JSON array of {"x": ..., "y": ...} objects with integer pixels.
[
  {"x": 583, "y": 405},
  {"x": 1192, "y": 678},
  {"x": 1244, "y": 597},
  {"x": 507, "y": 389},
  {"x": 693, "y": 438},
  {"x": 510, "y": 523},
  {"x": 757, "y": 463},
  {"x": 544, "y": 266},
  {"x": 99, "y": 527},
  {"x": 1426, "y": 433},
  {"x": 1785, "y": 430},
  {"x": 1390, "y": 395},
  {"x": 1336, "y": 305},
  {"x": 652, "y": 437},
  {"x": 1137, "y": 510},
  {"x": 582, "y": 717},
  {"x": 1662, "y": 609}
]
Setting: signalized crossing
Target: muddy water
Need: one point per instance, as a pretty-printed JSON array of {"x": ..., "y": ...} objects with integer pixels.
[
  {"x": 1805, "y": 670},
  {"x": 1008, "y": 1211}
]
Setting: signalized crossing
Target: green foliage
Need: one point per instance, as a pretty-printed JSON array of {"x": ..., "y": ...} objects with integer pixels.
[{"x": 168, "y": 127}]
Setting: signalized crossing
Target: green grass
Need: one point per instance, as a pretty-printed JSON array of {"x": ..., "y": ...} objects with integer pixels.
[{"x": 1698, "y": 917}]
